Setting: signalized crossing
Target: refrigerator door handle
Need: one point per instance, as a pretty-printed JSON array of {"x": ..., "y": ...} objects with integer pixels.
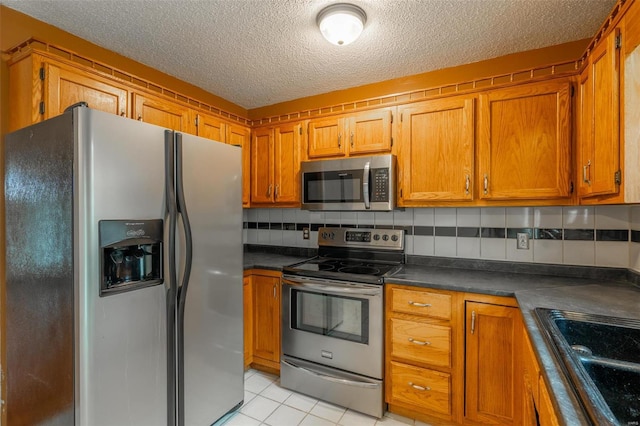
[
  {"x": 182, "y": 290},
  {"x": 170, "y": 197}
]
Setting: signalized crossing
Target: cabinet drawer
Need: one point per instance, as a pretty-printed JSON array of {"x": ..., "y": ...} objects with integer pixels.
[
  {"x": 423, "y": 303},
  {"x": 425, "y": 343},
  {"x": 425, "y": 389}
]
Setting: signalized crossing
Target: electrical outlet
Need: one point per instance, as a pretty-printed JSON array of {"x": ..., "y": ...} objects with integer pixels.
[
  {"x": 305, "y": 233},
  {"x": 523, "y": 241}
]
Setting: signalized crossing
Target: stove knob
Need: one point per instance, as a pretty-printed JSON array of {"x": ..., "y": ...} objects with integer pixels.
[
  {"x": 376, "y": 237},
  {"x": 332, "y": 236},
  {"x": 325, "y": 235},
  {"x": 385, "y": 237},
  {"x": 394, "y": 238}
]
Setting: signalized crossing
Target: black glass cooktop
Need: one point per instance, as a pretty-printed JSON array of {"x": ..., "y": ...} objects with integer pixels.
[{"x": 344, "y": 269}]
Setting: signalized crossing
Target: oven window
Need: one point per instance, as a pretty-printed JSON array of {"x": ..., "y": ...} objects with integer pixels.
[
  {"x": 333, "y": 187},
  {"x": 341, "y": 317}
]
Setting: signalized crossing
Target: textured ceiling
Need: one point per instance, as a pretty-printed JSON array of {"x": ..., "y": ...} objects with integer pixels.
[{"x": 261, "y": 52}]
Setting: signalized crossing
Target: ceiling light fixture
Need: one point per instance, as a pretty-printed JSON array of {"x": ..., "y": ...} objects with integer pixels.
[{"x": 341, "y": 23}]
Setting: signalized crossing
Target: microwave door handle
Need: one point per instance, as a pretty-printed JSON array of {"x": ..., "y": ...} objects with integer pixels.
[{"x": 365, "y": 185}]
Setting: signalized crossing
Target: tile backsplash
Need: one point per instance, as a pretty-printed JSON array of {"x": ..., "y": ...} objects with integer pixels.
[{"x": 606, "y": 236}]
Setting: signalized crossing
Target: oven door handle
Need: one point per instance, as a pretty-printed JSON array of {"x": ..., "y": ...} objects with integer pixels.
[
  {"x": 330, "y": 378},
  {"x": 351, "y": 289}
]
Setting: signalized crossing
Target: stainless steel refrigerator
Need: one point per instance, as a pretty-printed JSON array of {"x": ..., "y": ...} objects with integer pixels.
[{"x": 124, "y": 274}]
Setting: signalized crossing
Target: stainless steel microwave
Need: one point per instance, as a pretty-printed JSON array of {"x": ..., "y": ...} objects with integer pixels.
[{"x": 351, "y": 184}]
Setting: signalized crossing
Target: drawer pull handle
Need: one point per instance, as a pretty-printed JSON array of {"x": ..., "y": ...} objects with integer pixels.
[
  {"x": 420, "y": 305},
  {"x": 420, "y": 388},
  {"x": 419, "y": 342}
]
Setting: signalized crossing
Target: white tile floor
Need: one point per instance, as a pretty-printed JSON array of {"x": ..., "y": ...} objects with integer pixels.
[{"x": 266, "y": 403}]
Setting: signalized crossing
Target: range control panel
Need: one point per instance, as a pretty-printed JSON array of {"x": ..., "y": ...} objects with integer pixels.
[{"x": 390, "y": 239}]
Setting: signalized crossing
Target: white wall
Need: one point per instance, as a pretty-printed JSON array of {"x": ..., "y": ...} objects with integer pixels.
[{"x": 582, "y": 233}]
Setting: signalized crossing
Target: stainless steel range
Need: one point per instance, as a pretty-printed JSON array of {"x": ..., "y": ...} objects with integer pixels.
[{"x": 333, "y": 317}]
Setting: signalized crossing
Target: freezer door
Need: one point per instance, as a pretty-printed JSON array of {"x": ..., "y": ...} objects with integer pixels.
[
  {"x": 121, "y": 368},
  {"x": 213, "y": 330}
]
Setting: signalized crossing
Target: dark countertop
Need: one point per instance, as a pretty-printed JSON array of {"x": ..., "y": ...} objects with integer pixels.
[
  {"x": 272, "y": 261},
  {"x": 610, "y": 299},
  {"x": 591, "y": 290}
]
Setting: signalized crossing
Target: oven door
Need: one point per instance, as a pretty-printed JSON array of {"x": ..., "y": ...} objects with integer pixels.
[{"x": 334, "y": 323}]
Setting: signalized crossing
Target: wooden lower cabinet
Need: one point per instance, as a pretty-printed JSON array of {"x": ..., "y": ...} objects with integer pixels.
[
  {"x": 453, "y": 358},
  {"x": 537, "y": 409},
  {"x": 247, "y": 297},
  {"x": 492, "y": 354},
  {"x": 265, "y": 319},
  {"x": 423, "y": 348}
]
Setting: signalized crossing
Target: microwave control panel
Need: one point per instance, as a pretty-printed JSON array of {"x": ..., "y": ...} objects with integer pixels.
[{"x": 380, "y": 189}]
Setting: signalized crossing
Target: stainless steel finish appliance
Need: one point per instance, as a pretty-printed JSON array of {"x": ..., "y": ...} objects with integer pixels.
[
  {"x": 124, "y": 274},
  {"x": 360, "y": 183},
  {"x": 333, "y": 317}
]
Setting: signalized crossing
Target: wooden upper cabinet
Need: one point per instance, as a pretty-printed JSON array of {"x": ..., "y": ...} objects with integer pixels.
[
  {"x": 162, "y": 112},
  {"x": 42, "y": 88},
  {"x": 262, "y": 166},
  {"x": 436, "y": 144},
  {"x": 275, "y": 167},
  {"x": 362, "y": 133},
  {"x": 599, "y": 120},
  {"x": 241, "y": 136},
  {"x": 370, "y": 132},
  {"x": 525, "y": 141},
  {"x": 211, "y": 127},
  {"x": 287, "y": 143},
  {"x": 66, "y": 86},
  {"x": 493, "y": 382},
  {"x": 327, "y": 138}
]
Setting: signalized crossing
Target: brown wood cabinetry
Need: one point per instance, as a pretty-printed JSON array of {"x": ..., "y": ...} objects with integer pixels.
[
  {"x": 266, "y": 319},
  {"x": 247, "y": 305},
  {"x": 241, "y": 136},
  {"x": 492, "y": 374},
  {"x": 275, "y": 166},
  {"x": 210, "y": 127},
  {"x": 161, "y": 112},
  {"x": 436, "y": 144},
  {"x": 524, "y": 142},
  {"x": 537, "y": 406},
  {"x": 367, "y": 132},
  {"x": 41, "y": 88},
  {"x": 423, "y": 343},
  {"x": 599, "y": 121}
]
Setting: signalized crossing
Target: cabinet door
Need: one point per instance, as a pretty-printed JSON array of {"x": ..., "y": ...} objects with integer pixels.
[
  {"x": 370, "y": 132},
  {"x": 162, "y": 112},
  {"x": 211, "y": 127},
  {"x": 65, "y": 86},
  {"x": 266, "y": 317},
  {"x": 493, "y": 390},
  {"x": 524, "y": 142},
  {"x": 546, "y": 413},
  {"x": 599, "y": 137},
  {"x": 241, "y": 136},
  {"x": 436, "y": 150},
  {"x": 262, "y": 189},
  {"x": 247, "y": 293},
  {"x": 327, "y": 138},
  {"x": 287, "y": 143}
]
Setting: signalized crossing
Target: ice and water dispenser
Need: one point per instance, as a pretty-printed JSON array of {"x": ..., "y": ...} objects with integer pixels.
[{"x": 130, "y": 254}]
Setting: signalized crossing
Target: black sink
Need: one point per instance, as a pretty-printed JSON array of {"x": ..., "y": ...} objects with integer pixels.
[{"x": 601, "y": 357}]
